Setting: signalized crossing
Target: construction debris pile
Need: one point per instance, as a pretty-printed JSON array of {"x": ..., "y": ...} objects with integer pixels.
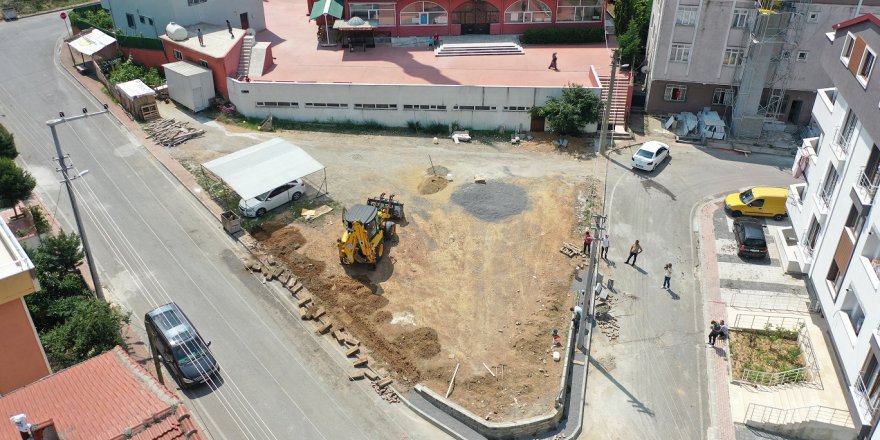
[
  {"x": 606, "y": 322},
  {"x": 168, "y": 133},
  {"x": 272, "y": 270}
]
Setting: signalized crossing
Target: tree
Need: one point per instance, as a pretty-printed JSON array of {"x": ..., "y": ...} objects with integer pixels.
[
  {"x": 90, "y": 327},
  {"x": 632, "y": 26},
  {"x": 59, "y": 254},
  {"x": 7, "y": 144},
  {"x": 16, "y": 184},
  {"x": 576, "y": 108}
]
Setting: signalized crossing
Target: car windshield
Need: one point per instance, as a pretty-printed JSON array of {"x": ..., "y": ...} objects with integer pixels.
[
  {"x": 746, "y": 196},
  {"x": 262, "y": 197},
  {"x": 645, "y": 153},
  {"x": 188, "y": 352}
]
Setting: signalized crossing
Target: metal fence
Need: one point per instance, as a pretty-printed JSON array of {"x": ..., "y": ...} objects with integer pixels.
[
  {"x": 768, "y": 415},
  {"x": 809, "y": 373},
  {"x": 782, "y": 303}
]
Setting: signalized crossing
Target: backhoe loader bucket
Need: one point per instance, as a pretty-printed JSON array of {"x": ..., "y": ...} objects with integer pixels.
[{"x": 394, "y": 208}]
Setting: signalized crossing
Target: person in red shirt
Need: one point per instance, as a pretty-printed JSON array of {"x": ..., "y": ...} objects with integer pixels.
[{"x": 588, "y": 240}]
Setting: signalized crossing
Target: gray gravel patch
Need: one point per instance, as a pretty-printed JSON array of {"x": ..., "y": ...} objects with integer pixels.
[
  {"x": 491, "y": 201},
  {"x": 437, "y": 170}
]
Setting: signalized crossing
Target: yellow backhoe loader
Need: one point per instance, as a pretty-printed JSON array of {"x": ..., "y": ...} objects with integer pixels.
[{"x": 367, "y": 227}]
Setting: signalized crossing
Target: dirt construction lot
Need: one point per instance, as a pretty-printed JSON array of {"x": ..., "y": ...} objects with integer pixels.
[{"x": 474, "y": 276}]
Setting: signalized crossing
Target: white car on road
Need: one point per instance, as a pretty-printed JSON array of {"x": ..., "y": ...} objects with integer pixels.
[
  {"x": 650, "y": 154},
  {"x": 270, "y": 200}
]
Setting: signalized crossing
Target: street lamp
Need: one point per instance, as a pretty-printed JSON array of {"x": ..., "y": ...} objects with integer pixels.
[
  {"x": 606, "y": 112},
  {"x": 87, "y": 251}
]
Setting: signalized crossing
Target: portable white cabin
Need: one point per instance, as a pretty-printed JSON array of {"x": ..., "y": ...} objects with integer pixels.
[{"x": 189, "y": 84}]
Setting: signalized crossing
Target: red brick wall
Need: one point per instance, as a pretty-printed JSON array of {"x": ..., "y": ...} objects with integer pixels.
[{"x": 147, "y": 57}]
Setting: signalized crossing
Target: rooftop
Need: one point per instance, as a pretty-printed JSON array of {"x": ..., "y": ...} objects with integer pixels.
[
  {"x": 299, "y": 58},
  {"x": 217, "y": 40},
  {"x": 101, "y": 398}
]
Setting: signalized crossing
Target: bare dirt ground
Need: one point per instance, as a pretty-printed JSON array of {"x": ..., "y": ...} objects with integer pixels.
[{"x": 474, "y": 276}]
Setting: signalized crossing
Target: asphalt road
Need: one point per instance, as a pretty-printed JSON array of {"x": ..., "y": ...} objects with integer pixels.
[
  {"x": 154, "y": 243},
  {"x": 652, "y": 382}
]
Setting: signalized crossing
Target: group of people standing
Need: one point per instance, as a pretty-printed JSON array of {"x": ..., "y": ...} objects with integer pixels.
[{"x": 716, "y": 330}]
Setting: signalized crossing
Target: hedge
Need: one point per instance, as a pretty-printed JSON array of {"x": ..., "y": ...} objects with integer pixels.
[{"x": 572, "y": 35}]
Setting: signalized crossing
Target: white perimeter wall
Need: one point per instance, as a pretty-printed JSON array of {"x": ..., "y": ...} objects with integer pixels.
[{"x": 245, "y": 96}]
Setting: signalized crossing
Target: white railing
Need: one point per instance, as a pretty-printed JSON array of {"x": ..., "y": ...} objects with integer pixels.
[
  {"x": 825, "y": 194},
  {"x": 841, "y": 141},
  {"x": 866, "y": 187},
  {"x": 769, "y": 415},
  {"x": 807, "y": 248},
  {"x": 778, "y": 303},
  {"x": 809, "y": 373},
  {"x": 867, "y": 405}
]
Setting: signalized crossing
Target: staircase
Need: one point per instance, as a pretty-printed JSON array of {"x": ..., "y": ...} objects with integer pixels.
[
  {"x": 474, "y": 49},
  {"x": 620, "y": 101},
  {"x": 244, "y": 61}
]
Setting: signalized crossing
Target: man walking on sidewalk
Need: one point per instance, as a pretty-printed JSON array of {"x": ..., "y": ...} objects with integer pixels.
[
  {"x": 576, "y": 318},
  {"x": 634, "y": 252},
  {"x": 605, "y": 244},
  {"x": 667, "y": 276}
]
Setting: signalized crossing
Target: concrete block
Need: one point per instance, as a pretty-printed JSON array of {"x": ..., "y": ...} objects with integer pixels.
[
  {"x": 296, "y": 288},
  {"x": 384, "y": 382},
  {"x": 358, "y": 375},
  {"x": 352, "y": 351},
  {"x": 360, "y": 362},
  {"x": 305, "y": 313},
  {"x": 324, "y": 328},
  {"x": 303, "y": 301},
  {"x": 319, "y": 313},
  {"x": 370, "y": 374},
  {"x": 352, "y": 341},
  {"x": 292, "y": 281}
]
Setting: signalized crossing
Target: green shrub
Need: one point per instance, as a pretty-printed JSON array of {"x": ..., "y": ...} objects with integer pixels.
[
  {"x": 99, "y": 18},
  {"x": 573, "y": 35},
  {"x": 130, "y": 71},
  {"x": 7, "y": 144},
  {"x": 40, "y": 223}
]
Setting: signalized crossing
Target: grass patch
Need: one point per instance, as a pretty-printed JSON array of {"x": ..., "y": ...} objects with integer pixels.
[{"x": 769, "y": 350}]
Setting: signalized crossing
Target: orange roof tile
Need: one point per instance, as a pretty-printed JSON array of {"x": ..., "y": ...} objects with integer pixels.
[{"x": 101, "y": 398}]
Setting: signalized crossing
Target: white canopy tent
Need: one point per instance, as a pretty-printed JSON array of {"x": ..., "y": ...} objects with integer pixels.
[
  {"x": 92, "y": 42},
  {"x": 266, "y": 166}
]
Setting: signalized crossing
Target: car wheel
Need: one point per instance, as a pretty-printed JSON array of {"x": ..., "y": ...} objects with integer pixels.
[
  {"x": 296, "y": 196},
  {"x": 261, "y": 212},
  {"x": 736, "y": 213},
  {"x": 779, "y": 217}
]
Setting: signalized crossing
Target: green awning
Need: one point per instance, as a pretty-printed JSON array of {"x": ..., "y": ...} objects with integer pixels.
[{"x": 329, "y": 7}]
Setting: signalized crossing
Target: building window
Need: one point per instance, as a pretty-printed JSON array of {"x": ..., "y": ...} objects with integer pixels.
[
  {"x": 195, "y": 2},
  {"x": 740, "y": 18},
  {"x": 277, "y": 104},
  {"x": 835, "y": 279},
  {"x": 517, "y": 109},
  {"x": 150, "y": 20},
  {"x": 813, "y": 17},
  {"x": 826, "y": 193},
  {"x": 675, "y": 93},
  {"x": 871, "y": 256},
  {"x": 375, "y": 106},
  {"x": 686, "y": 15},
  {"x": 578, "y": 10},
  {"x": 855, "y": 221},
  {"x": 722, "y": 97},
  {"x": 848, "y": 45},
  {"x": 143, "y": 19},
  {"x": 870, "y": 378},
  {"x": 130, "y": 19},
  {"x": 866, "y": 67},
  {"x": 852, "y": 308},
  {"x": 846, "y": 131},
  {"x": 681, "y": 53},
  {"x": 325, "y": 105},
  {"x": 733, "y": 56},
  {"x": 802, "y": 55},
  {"x": 812, "y": 236},
  {"x": 424, "y": 107},
  {"x": 481, "y": 108},
  {"x": 204, "y": 64},
  {"x": 423, "y": 14},
  {"x": 528, "y": 11},
  {"x": 377, "y": 14},
  {"x": 474, "y": 12},
  {"x": 178, "y": 55}
]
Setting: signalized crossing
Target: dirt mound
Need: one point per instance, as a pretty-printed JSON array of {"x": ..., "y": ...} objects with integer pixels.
[
  {"x": 264, "y": 232},
  {"x": 432, "y": 184},
  {"x": 382, "y": 316},
  {"x": 437, "y": 170},
  {"x": 422, "y": 342},
  {"x": 491, "y": 201}
]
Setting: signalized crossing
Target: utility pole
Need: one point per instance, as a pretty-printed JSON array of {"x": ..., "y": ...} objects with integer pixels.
[
  {"x": 93, "y": 269},
  {"x": 607, "y": 110},
  {"x": 592, "y": 270}
]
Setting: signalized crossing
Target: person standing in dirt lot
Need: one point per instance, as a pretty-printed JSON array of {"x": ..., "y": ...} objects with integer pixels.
[
  {"x": 714, "y": 331},
  {"x": 588, "y": 240},
  {"x": 667, "y": 276},
  {"x": 605, "y": 244},
  {"x": 634, "y": 252}
]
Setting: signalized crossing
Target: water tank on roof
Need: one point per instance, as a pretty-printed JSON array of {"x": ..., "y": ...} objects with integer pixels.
[{"x": 176, "y": 32}]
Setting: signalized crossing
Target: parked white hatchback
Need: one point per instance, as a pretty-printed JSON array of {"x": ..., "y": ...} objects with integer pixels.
[
  {"x": 270, "y": 200},
  {"x": 650, "y": 154}
]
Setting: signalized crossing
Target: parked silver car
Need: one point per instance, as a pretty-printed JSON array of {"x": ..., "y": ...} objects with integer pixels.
[{"x": 270, "y": 200}]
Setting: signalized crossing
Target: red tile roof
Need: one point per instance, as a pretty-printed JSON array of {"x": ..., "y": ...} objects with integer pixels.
[
  {"x": 102, "y": 398},
  {"x": 867, "y": 17}
]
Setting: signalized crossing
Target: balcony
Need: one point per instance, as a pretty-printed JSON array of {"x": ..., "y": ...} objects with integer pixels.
[
  {"x": 824, "y": 198},
  {"x": 823, "y": 109},
  {"x": 868, "y": 407},
  {"x": 866, "y": 187},
  {"x": 841, "y": 142}
]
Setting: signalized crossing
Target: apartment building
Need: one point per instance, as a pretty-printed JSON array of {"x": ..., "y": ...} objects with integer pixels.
[
  {"x": 760, "y": 58},
  {"x": 835, "y": 214}
]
